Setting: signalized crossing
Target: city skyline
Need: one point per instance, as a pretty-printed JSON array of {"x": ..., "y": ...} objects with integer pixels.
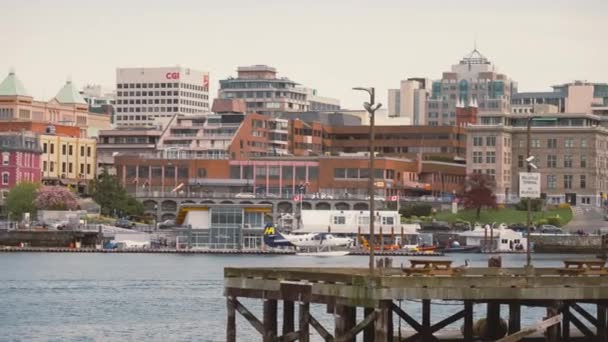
[{"x": 537, "y": 45}]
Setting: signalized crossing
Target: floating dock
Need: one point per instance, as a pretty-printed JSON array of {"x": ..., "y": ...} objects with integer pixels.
[
  {"x": 143, "y": 250},
  {"x": 345, "y": 291}
]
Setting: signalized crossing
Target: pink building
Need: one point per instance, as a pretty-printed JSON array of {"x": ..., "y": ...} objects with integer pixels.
[
  {"x": 68, "y": 107},
  {"x": 20, "y": 153}
]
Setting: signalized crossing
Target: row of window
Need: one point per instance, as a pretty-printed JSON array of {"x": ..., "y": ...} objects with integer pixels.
[
  {"x": 263, "y": 95},
  {"x": 568, "y": 161},
  {"x": 65, "y": 149},
  {"x": 65, "y": 167},
  {"x": 160, "y": 85},
  {"x": 552, "y": 143},
  {"x": 140, "y": 117},
  {"x": 568, "y": 181},
  {"x": 163, "y": 101},
  {"x": 161, "y": 93},
  {"x": 353, "y": 173}
]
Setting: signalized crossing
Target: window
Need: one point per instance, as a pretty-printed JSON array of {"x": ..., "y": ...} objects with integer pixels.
[
  {"x": 477, "y": 141},
  {"x": 52, "y": 167},
  {"x": 569, "y": 142},
  {"x": 88, "y": 169},
  {"x": 5, "y": 158},
  {"x": 552, "y": 161},
  {"x": 201, "y": 173},
  {"x": 63, "y": 167},
  {"x": 388, "y": 220},
  {"x": 300, "y": 172},
  {"x": 235, "y": 172},
  {"x": 491, "y": 141},
  {"x": 551, "y": 181},
  {"x": 583, "y": 161},
  {"x": 170, "y": 172},
  {"x": 567, "y": 161},
  {"x": 491, "y": 157},
  {"x": 583, "y": 182},
  {"x": 71, "y": 150},
  {"x": 273, "y": 172},
  {"x": 5, "y": 178},
  {"x": 82, "y": 151},
  {"x": 63, "y": 149},
  {"x": 535, "y": 143},
  {"x": 568, "y": 181},
  {"x": 70, "y": 169},
  {"x": 340, "y": 173},
  {"x": 339, "y": 219},
  {"x": 477, "y": 157},
  {"x": 182, "y": 172},
  {"x": 44, "y": 148},
  {"x": 583, "y": 143},
  {"x": 520, "y": 161},
  {"x": 352, "y": 173},
  {"x": 52, "y": 148},
  {"x": 552, "y": 143},
  {"x": 82, "y": 169},
  {"x": 44, "y": 165},
  {"x": 313, "y": 173},
  {"x": 491, "y": 173},
  {"x": 260, "y": 172},
  {"x": 287, "y": 172}
]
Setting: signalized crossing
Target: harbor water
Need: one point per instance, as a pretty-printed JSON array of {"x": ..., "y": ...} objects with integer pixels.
[{"x": 157, "y": 297}]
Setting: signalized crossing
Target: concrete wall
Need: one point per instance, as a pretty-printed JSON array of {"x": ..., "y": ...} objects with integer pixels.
[
  {"x": 566, "y": 244},
  {"x": 48, "y": 238}
]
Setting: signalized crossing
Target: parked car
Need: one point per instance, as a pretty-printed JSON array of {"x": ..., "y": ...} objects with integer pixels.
[
  {"x": 550, "y": 229},
  {"x": 124, "y": 223},
  {"x": 519, "y": 227},
  {"x": 166, "y": 224},
  {"x": 245, "y": 195}
]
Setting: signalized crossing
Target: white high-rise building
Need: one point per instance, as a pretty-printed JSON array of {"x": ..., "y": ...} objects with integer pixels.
[
  {"x": 151, "y": 96},
  {"x": 409, "y": 101}
]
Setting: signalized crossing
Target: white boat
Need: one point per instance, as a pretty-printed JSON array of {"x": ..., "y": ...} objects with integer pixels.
[
  {"x": 324, "y": 254},
  {"x": 501, "y": 239}
]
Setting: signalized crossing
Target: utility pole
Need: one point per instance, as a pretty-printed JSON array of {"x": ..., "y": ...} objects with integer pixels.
[
  {"x": 371, "y": 107},
  {"x": 529, "y": 159}
]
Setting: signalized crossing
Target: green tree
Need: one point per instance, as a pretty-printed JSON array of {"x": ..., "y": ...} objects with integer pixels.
[
  {"x": 113, "y": 197},
  {"x": 20, "y": 200}
]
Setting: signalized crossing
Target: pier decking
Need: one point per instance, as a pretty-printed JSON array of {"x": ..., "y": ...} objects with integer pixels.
[{"x": 345, "y": 290}]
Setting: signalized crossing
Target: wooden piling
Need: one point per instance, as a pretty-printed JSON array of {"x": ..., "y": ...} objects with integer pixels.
[
  {"x": 426, "y": 320},
  {"x": 602, "y": 323},
  {"x": 565, "y": 321},
  {"x": 340, "y": 320},
  {"x": 368, "y": 332},
  {"x": 384, "y": 322},
  {"x": 514, "y": 317},
  {"x": 468, "y": 321},
  {"x": 230, "y": 320},
  {"x": 288, "y": 317},
  {"x": 552, "y": 332},
  {"x": 303, "y": 325},
  {"x": 270, "y": 320}
]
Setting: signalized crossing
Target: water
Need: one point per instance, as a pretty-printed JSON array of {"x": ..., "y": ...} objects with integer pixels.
[{"x": 152, "y": 297}]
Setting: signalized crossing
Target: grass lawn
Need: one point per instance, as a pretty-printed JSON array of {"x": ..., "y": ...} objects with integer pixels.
[{"x": 506, "y": 215}]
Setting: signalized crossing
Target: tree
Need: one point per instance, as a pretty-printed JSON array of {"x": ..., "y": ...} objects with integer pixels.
[
  {"x": 479, "y": 192},
  {"x": 20, "y": 200},
  {"x": 113, "y": 197},
  {"x": 55, "y": 198}
]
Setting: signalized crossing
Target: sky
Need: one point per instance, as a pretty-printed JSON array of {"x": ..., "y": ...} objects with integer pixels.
[{"x": 329, "y": 45}]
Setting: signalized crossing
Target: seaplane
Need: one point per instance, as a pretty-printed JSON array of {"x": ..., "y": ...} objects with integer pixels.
[{"x": 319, "y": 243}]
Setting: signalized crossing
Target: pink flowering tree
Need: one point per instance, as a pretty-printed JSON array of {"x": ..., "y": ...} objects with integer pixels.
[{"x": 55, "y": 198}]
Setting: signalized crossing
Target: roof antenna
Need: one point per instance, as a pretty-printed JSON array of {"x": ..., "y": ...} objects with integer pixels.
[{"x": 475, "y": 42}]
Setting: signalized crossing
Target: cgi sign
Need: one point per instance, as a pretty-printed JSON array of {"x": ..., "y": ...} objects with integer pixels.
[{"x": 172, "y": 75}]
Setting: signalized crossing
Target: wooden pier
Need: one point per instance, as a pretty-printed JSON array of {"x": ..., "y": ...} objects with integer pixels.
[{"x": 346, "y": 291}]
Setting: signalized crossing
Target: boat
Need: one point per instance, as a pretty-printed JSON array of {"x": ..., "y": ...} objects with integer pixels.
[
  {"x": 324, "y": 254},
  {"x": 461, "y": 249}
]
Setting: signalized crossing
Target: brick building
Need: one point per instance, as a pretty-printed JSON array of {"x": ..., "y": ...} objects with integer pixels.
[{"x": 20, "y": 159}]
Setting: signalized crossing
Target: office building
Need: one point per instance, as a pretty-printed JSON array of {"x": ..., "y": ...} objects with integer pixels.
[
  {"x": 474, "y": 80},
  {"x": 575, "y": 97},
  {"x": 410, "y": 100},
  {"x": 151, "y": 96},
  {"x": 20, "y": 153},
  {"x": 569, "y": 149},
  {"x": 66, "y": 108},
  {"x": 100, "y": 100}
]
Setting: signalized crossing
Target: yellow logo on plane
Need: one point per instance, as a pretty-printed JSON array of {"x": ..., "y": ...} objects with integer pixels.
[{"x": 269, "y": 231}]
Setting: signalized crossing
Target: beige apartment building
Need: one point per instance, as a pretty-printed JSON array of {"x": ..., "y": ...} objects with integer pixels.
[{"x": 570, "y": 150}]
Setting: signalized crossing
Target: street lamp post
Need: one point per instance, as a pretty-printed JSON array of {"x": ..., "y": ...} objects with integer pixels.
[
  {"x": 529, "y": 169},
  {"x": 371, "y": 107}
]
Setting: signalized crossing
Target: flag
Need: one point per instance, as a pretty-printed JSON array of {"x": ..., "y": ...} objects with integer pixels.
[
  {"x": 394, "y": 198},
  {"x": 181, "y": 185},
  {"x": 297, "y": 197}
]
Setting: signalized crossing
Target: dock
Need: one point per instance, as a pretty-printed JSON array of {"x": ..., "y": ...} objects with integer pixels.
[
  {"x": 348, "y": 291},
  {"x": 145, "y": 250}
]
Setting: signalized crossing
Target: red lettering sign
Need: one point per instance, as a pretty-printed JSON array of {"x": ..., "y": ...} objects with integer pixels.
[{"x": 172, "y": 75}]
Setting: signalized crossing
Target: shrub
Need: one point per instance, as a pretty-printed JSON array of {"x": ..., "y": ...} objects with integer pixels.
[
  {"x": 541, "y": 222},
  {"x": 555, "y": 220},
  {"x": 537, "y": 204},
  {"x": 416, "y": 210},
  {"x": 564, "y": 205}
]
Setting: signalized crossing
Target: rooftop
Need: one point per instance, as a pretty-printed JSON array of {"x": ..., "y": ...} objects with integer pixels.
[
  {"x": 69, "y": 95},
  {"x": 12, "y": 86}
]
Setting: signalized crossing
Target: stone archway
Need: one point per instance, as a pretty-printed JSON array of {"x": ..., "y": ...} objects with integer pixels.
[
  {"x": 306, "y": 206},
  {"x": 285, "y": 207},
  {"x": 169, "y": 205},
  {"x": 361, "y": 206},
  {"x": 323, "y": 206},
  {"x": 166, "y": 217},
  {"x": 342, "y": 206},
  {"x": 149, "y": 205}
]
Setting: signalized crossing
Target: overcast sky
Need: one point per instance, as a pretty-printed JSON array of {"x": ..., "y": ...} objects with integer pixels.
[{"x": 330, "y": 45}]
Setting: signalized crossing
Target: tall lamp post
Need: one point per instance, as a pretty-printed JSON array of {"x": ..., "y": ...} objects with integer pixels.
[
  {"x": 371, "y": 107},
  {"x": 529, "y": 165}
]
